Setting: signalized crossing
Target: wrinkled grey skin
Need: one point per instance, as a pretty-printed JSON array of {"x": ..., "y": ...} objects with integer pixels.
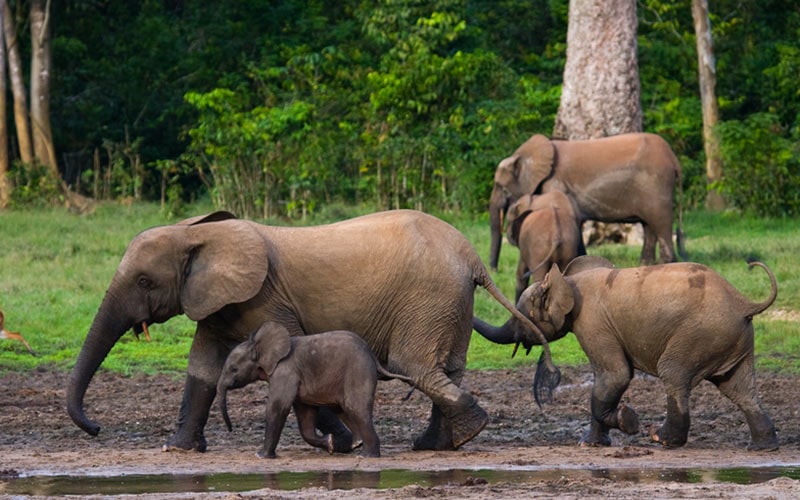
[
  {"x": 334, "y": 369},
  {"x": 681, "y": 322},
  {"x": 546, "y": 230},
  {"x": 623, "y": 178},
  {"x": 402, "y": 279}
]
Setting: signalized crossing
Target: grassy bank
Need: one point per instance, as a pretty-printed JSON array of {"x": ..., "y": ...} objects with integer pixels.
[{"x": 55, "y": 267}]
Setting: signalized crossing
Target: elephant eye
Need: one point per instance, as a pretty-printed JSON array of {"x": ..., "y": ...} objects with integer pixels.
[{"x": 144, "y": 283}]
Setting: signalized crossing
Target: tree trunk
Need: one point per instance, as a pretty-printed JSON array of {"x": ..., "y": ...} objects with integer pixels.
[
  {"x": 5, "y": 185},
  {"x": 41, "y": 67},
  {"x": 600, "y": 93},
  {"x": 17, "y": 86},
  {"x": 707, "y": 76}
]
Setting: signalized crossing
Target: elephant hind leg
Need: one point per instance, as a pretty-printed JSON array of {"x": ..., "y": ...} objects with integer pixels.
[
  {"x": 648, "y": 256},
  {"x": 456, "y": 417},
  {"x": 739, "y": 386},
  {"x": 674, "y": 432}
]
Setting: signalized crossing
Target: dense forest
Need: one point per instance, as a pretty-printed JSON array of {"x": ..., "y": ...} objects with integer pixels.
[{"x": 284, "y": 107}]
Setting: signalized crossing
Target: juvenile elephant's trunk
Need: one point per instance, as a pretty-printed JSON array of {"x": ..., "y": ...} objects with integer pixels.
[
  {"x": 499, "y": 335},
  {"x": 498, "y": 205},
  {"x": 222, "y": 396},
  {"x": 106, "y": 329}
]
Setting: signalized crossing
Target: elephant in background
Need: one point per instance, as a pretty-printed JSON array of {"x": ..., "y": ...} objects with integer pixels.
[
  {"x": 623, "y": 178},
  {"x": 545, "y": 228},
  {"x": 334, "y": 369},
  {"x": 403, "y": 280},
  {"x": 682, "y": 322}
]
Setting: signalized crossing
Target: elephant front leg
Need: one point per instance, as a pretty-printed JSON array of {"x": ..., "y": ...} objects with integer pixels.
[
  {"x": 607, "y": 413},
  {"x": 197, "y": 398},
  {"x": 206, "y": 358}
]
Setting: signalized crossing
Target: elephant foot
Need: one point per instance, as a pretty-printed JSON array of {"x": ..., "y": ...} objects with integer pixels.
[
  {"x": 593, "y": 438},
  {"x": 263, "y": 453},
  {"x": 179, "y": 442},
  {"x": 627, "y": 419},
  {"x": 768, "y": 444},
  {"x": 437, "y": 436},
  {"x": 468, "y": 424},
  {"x": 669, "y": 439}
]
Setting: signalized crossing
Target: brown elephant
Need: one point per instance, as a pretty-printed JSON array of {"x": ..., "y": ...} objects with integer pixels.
[
  {"x": 403, "y": 280},
  {"x": 545, "y": 228},
  {"x": 334, "y": 369},
  {"x": 682, "y": 322},
  {"x": 623, "y": 178}
]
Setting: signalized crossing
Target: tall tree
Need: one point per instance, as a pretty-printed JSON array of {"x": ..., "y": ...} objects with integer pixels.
[
  {"x": 707, "y": 77},
  {"x": 600, "y": 91},
  {"x": 18, "y": 89},
  {"x": 5, "y": 186},
  {"x": 41, "y": 64}
]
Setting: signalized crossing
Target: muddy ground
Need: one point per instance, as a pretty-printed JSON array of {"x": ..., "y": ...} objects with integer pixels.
[{"x": 139, "y": 413}]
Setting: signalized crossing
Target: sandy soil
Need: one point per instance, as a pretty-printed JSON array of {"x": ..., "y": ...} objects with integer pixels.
[{"x": 138, "y": 414}]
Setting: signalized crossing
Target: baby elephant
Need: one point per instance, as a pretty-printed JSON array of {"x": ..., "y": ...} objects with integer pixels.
[
  {"x": 334, "y": 369},
  {"x": 682, "y": 322},
  {"x": 546, "y": 229}
]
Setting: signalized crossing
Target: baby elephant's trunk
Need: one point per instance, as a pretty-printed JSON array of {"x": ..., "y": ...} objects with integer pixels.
[{"x": 222, "y": 396}]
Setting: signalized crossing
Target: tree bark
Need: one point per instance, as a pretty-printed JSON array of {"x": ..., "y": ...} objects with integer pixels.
[
  {"x": 600, "y": 92},
  {"x": 18, "y": 88},
  {"x": 707, "y": 77},
  {"x": 5, "y": 186},
  {"x": 41, "y": 67}
]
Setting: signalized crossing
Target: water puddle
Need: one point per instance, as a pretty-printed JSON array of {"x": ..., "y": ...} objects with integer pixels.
[{"x": 345, "y": 480}]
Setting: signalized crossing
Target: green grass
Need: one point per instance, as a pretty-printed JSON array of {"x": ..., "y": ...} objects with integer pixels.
[{"x": 55, "y": 267}]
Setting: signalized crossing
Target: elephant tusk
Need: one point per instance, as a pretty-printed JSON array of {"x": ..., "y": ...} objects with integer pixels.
[{"x": 144, "y": 329}]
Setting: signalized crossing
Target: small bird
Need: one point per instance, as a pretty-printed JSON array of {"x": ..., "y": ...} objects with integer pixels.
[{"x": 5, "y": 334}]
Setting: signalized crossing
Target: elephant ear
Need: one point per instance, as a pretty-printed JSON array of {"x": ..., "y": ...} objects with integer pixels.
[
  {"x": 514, "y": 225},
  {"x": 212, "y": 217},
  {"x": 227, "y": 264},
  {"x": 586, "y": 262},
  {"x": 271, "y": 344},
  {"x": 537, "y": 158},
  {"x": 558, "y": 298}
]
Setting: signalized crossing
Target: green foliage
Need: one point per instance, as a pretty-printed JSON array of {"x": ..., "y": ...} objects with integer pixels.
[
  {"x": 762, "y": 166},
  {"x": 395, "y": 103}
]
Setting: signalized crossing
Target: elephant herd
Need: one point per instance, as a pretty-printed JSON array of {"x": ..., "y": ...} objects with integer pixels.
[{"x": 322, "y": 312}]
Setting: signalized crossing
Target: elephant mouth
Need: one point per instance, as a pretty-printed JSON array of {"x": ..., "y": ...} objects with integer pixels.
[{"x": 141, "y": 327}]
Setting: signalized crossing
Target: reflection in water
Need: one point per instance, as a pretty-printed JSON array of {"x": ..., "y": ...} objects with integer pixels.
[{"x": 344, "y": 480}]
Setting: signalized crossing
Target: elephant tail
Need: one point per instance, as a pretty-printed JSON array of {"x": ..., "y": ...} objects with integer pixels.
[
  {"x": 760, "y": 307},
  {"x": 548, "y": 376},
  {"x": 387, "y": 374}
]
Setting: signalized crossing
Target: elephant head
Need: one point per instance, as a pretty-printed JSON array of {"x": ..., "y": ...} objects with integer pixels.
[
  {"x": 190, "y": 268},
  {"x": 254, "y": 359},
  {"x": 520, "y": 174}
]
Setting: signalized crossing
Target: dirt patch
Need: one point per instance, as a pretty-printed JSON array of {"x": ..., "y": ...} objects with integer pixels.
[{"x": 138, "y": 414}]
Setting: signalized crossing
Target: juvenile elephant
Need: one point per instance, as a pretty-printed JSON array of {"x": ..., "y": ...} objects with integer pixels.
[
  {"x": 682, "y": 322},
  {"x": 546, "y": 230},
  {"x": 403, "y": 280},
  {"x": 623, "y": 178},
  {"x": 334, "y": 369}
]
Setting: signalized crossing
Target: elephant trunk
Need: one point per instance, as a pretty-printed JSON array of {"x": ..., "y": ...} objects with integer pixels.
[
  {"x": 498, "y": 204},
  {"x": 222, "y": 396},
  {"x": 499, "y": 335},
  {"x": 106, "y": 329}
]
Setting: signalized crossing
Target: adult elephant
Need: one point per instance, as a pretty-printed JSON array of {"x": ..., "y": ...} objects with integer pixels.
[
  {"x": 623, "y": 178},
  {"x": 403, "y": 280}
]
